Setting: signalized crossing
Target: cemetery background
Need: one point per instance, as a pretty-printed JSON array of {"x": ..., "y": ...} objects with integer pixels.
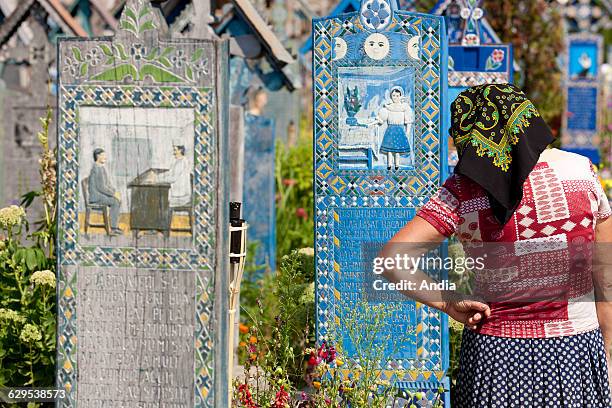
[{"x": 277, "y": 333}]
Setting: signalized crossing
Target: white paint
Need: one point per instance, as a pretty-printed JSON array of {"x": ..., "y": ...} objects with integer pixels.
[
  {"x": 376, "y": 46},
  {"x": 340, "y": 48},
  {"x": 413, "y": 47}
]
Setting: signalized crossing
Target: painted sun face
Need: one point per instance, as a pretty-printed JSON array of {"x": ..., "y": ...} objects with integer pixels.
[
  {"x": 413, "y": 47},
  {"x": 376, "y": 46},
  {"x": 340, "y": 48}
]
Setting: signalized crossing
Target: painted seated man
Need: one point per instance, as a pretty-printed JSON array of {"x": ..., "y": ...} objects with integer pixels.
[
  {"x": 179, "y": 178},
  {"x": 101, "y": 190}
]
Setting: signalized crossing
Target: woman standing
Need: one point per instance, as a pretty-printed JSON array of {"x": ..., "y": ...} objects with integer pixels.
[
  {"x": 536, "y": 337},
  {"x": 399, "y": 118}
]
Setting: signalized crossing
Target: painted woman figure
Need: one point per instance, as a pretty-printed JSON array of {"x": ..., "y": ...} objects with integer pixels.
[{"x": 399, "y": 117}]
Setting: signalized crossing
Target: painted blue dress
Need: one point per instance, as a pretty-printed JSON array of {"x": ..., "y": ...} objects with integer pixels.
[{"x": 398, "y": 117}]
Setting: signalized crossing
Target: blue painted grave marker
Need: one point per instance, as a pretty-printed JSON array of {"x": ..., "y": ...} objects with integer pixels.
[
  {"x": 260, "y": 187},
  {"x": 581, "y": 121},
  {"x": 380, "y": 153}
]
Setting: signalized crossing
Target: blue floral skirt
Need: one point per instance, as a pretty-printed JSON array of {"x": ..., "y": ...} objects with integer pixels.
[
  {"x": 558, "y": 372},
  {"x": 395, "y": 140}
]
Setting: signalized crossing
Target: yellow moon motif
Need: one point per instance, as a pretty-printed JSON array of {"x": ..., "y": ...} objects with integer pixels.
[
  {"x": 413, "y": 47},
  {"x": 376, "y": 46}
]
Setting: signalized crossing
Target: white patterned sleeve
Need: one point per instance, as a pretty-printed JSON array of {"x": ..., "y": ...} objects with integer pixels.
[{"x": 603, "y": 204}]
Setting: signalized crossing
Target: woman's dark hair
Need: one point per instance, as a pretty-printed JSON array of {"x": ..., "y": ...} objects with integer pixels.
[{"x": 396, "y": 90}]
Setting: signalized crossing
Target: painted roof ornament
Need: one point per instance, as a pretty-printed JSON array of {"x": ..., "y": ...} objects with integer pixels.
[
  {"x": 466, "y": 22},
  {"x": 471, "y": 13}
]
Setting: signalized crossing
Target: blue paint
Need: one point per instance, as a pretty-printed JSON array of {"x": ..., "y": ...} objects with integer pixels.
[
  {"x": 486, "y": 58},
  {"x": 581, "y": 120},
  {"x": 241, "y": 78},
  {"x": 582, "y": 109},
  {"x": 355, "y": 43},
  {"x": 359, "y": 203},
  {"x": 583, "y": 60},
  {"x": 366, "y": 111},
  {"x": 456, "y": 25},
  {"x": 362, "y": 232},
  {"x": 259, "y": 188}
]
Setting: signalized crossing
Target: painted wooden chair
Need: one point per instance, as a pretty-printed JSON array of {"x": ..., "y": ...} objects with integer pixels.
[{"x": 185, "y": 208}]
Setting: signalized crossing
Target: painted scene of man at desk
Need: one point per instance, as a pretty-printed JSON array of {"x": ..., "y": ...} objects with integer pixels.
[
  {"x": 376, "y": 118},
  {"x": 135, "y": 176}
]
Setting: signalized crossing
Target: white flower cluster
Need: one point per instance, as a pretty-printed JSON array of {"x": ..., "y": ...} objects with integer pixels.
[
  {"x": 45, "y": 277},
  {"x": 30, "y": 334},
  {"x": 11, "y": 216},
  {"x": 8, "y": 315}
]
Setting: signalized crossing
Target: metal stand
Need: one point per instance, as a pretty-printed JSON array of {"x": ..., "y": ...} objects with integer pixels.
[{"x": 237, "y": 255}]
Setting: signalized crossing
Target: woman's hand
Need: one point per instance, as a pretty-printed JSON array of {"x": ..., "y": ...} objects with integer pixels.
[{"x": 469, "y": 312}]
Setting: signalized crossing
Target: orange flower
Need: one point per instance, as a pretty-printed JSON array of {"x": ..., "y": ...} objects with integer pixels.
[
  {"x": 253, "y": 356},
  {"x": 253, "y": 340},
  {"x": 242, "y": 344},
  {"x": 243, "y": 328},
  {"x": 316, "y": 384}
]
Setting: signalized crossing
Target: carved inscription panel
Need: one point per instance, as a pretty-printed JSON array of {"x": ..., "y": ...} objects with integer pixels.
[{"x": 136, "y": 333}]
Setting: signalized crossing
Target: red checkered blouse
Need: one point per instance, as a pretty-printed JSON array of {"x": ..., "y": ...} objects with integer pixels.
[{"x": 537, "y": 274}]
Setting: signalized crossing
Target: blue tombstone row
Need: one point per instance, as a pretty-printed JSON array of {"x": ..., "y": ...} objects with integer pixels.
[
  {"x": 380, "y": 152},
  {"x": 581, "y": 121}
]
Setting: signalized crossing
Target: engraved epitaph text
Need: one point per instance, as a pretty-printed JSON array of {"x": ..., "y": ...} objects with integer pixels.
[{"x": 136, "y": 333}]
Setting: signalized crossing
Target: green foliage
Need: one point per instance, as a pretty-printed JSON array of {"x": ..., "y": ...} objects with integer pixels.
[
  {"x": 294, "y": 217},
  {"x": 368, "y": 331},
  {"x": 27, "y": 312},
  {"x": 535, "y": 29},
  {"x": 424, "y": 6},
  {"x": 27, "y": 285},
  {"x": 455, "y": 335},
  {"x": 281, "y": 323}
]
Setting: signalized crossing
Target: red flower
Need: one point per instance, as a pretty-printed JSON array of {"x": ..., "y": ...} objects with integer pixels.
[
  {"x": 327, "y": 353},
  {"x": 245, "y": 397},
  {"x": 282, "y": 398},
  {"x": 312, "y": 361},
  {"x": 301, "y": 213},
  {"x": 289, "y": 182},
  {"x": 498, "y": 55}
]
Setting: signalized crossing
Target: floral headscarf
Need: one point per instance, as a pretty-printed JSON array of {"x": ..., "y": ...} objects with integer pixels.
[{"x": 499, "y": 135}]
